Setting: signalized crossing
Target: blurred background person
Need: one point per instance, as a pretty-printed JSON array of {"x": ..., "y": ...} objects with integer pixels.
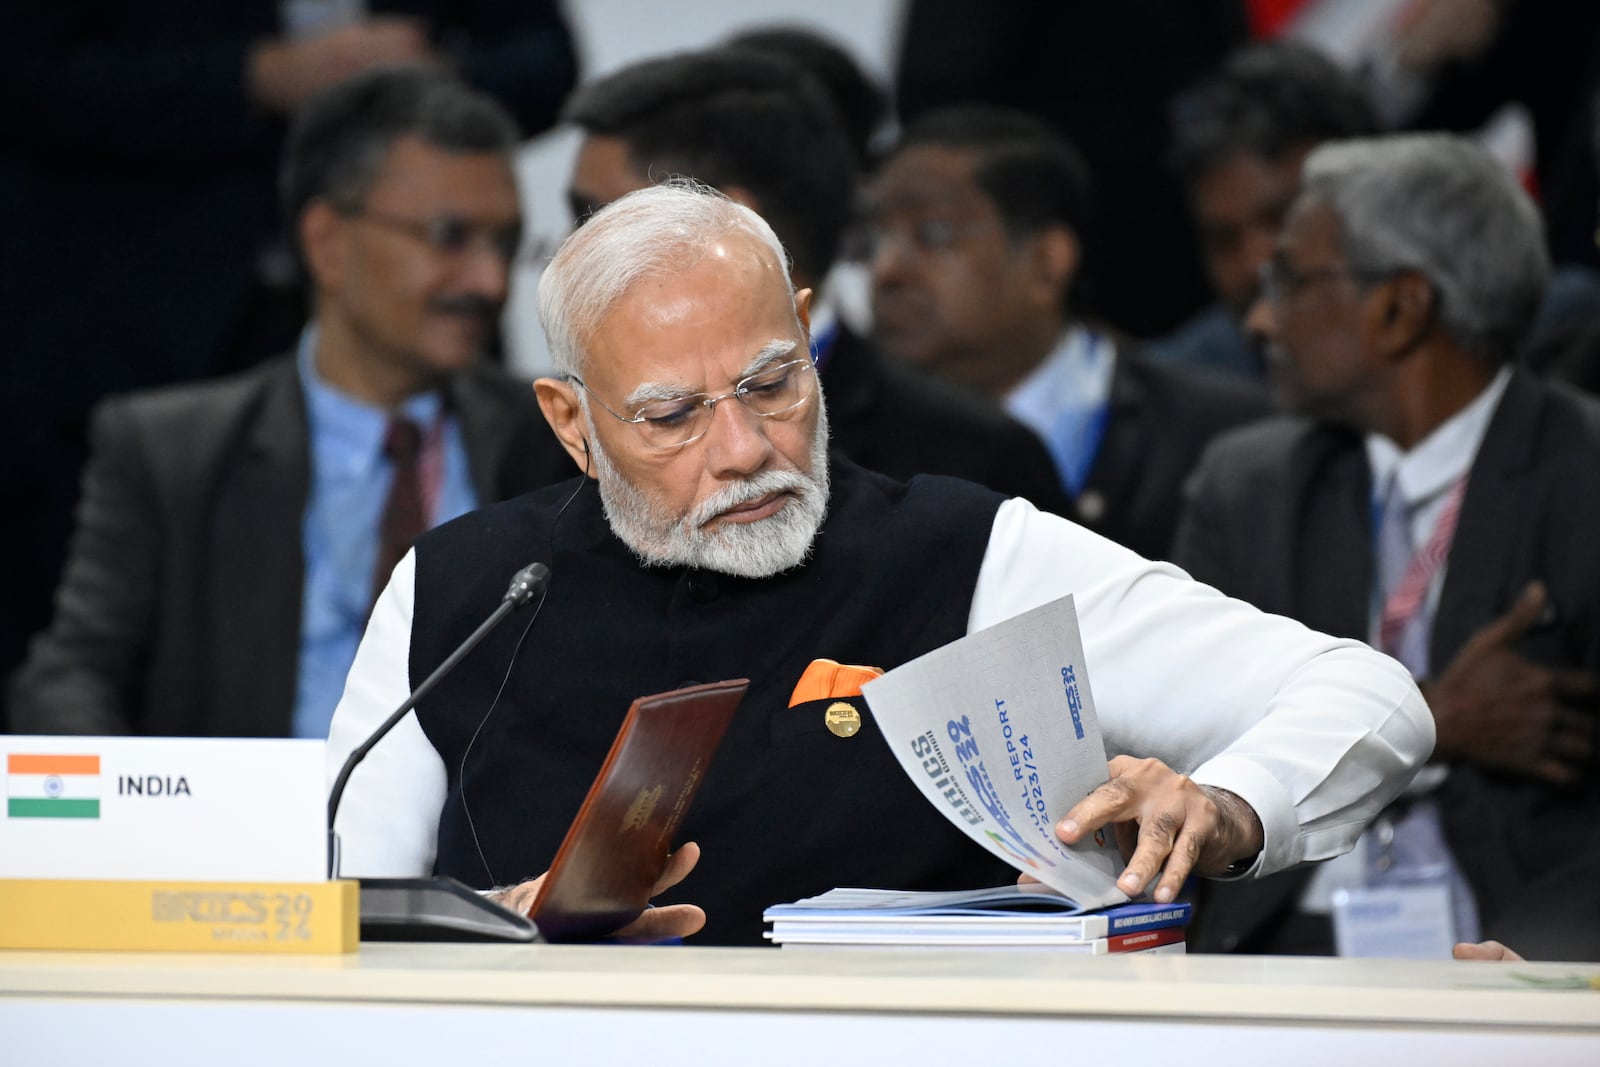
[
  {"x": 142, "y": 240},
  {"x": 977, "y": 222},
  {"x": 1238, "y": 140},
  {"x": 1102, "y": 74},
  {"x": 233, "y": 534},
  {"x": 859, "y": 101}
]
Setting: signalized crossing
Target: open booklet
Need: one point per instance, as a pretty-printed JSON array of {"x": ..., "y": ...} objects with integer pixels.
[
  {"x": 998, "y": 730},
  {"x": 1029, "y": 913}
]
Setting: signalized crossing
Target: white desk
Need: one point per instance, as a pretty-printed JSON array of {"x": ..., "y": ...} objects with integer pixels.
[{"x": 395, "y": 1004}]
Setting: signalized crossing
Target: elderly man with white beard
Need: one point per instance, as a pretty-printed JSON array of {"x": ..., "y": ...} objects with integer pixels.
[{"x": 724, "y": 542}]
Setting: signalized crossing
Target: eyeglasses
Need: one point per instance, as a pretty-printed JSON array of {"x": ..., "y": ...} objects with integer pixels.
[
  {"x": 1279, "y": 281},
  {"x": 449, "y": 235},
  {"x": 668, "y": 424},
  {"x": 927, "y": 237}
]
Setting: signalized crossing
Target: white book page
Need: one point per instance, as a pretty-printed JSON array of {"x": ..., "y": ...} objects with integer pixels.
[{"x": 998, "y": 730}]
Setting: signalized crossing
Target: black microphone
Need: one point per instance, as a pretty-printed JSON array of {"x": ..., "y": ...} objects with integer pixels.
[{"x": 526, "y": 584}]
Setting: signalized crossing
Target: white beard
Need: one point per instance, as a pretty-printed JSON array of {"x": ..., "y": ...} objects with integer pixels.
[{"x": 759, "y": 549}]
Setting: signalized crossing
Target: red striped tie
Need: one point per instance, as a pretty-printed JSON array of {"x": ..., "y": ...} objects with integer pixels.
[
  {"x": 1403, "y": 604},
  {"x": 403, "y": 518}
]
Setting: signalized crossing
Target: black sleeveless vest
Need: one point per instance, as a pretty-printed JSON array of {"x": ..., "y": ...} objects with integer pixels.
[{"x": 786, "y": 809}]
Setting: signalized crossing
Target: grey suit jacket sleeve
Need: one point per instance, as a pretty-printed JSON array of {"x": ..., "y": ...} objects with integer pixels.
[
  {"x": 83, "y": 673},
  {"x": 1201, "y": 543}
]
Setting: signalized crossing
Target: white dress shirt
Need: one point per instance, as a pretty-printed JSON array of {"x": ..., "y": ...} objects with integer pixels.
[{"x": 1317, "y": 734}]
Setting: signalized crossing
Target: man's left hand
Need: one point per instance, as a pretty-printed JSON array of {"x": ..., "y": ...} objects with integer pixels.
[
  {"x": 655, "y": 924},
  {"x": 1165, "y": 823}
]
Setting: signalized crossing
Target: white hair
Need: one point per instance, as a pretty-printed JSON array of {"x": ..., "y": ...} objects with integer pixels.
[
  {"x": 1441, "y": 206},
  {"x": 658, "y": 230}
]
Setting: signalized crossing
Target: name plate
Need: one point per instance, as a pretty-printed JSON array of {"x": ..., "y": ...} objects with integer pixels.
[
  {"x": 313, "y": 918},
  {"x": 164, "y": 809}
]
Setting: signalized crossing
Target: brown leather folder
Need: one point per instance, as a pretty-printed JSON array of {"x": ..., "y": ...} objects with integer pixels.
[{"x": 617, "y": 846}]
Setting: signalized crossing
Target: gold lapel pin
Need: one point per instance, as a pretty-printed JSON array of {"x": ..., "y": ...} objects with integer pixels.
[{"x": 842, "y": 719}]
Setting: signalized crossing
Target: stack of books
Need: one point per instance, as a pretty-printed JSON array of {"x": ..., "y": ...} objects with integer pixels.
[{"x": 1013, "y": 916}]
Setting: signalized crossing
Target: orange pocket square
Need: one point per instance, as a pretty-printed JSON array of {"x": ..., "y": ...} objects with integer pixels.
[{"x": 826, "y": 679}]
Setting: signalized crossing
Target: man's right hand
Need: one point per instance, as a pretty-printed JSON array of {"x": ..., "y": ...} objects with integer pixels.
[
  {"x": 1495, "y": 709},
  {"x": 283, "y": 73}
]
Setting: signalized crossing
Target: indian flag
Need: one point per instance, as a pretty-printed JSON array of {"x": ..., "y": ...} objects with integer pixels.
[{"x": 52, "y": 787}]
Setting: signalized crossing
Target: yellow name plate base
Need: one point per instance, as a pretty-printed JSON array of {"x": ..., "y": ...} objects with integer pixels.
[{"x": 103, "y": 916}]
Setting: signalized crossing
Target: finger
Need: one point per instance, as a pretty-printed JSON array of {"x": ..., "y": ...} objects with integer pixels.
[
  {"x": 1575, "y": 687},
  {"x": 1571, "y": 737},
  {"x": 1555, "y": 771},
  {"x": 1519, "y": 618},
  {"x": 1026, "y": 879},
  {"x": 519, "y": 898},
  {"x": 1181, "y": 860},
  {"x": 1102, "y": 805},
  {"x": 1116, "y": 800},
  {"x": 660, "y": 924},
  {"x": 679, "y": 864},
  {"x": 1157, "y": 834}
]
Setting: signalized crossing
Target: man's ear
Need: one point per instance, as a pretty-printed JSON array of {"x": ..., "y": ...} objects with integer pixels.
[
  {"x": 559, "y": 402},
  {"x": 1053, "y": 258},
  {"x": 802, "y": 311},
  {"x": 321, "y": 240},
  {"x": 1403, "y": 312}
]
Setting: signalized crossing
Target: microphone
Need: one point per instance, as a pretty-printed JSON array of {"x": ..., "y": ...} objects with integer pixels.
[{"x": 400, "y": 908}]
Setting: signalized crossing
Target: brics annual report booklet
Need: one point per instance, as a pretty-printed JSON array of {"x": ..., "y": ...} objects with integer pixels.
[{"x": 998, "y": 730}]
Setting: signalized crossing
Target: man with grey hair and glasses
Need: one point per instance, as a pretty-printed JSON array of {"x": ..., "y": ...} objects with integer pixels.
[
  {"x": 724, "y": 542},
  {"x": 1430, "y": 497}
]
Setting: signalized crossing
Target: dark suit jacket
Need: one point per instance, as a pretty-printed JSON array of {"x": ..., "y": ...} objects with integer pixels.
[
  {"x": 900, "y": 421},
  {"x": 179, "y": 611},
  {"x": 1161, "y": 419},
  {"x": 1279, "y": 515}
]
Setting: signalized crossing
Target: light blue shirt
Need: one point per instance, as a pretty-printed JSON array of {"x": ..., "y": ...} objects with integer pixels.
[
  {"x": 1066, "y": 401},
  {"x": 350, "y": 479}
]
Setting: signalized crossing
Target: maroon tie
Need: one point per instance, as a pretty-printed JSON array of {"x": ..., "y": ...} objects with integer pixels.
[{"x": 403, "y": 519}]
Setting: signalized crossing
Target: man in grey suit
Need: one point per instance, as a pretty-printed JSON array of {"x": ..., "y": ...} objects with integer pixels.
[
  {"x": 1432, "y": 498},
  {"x": 232, "y": 535}
]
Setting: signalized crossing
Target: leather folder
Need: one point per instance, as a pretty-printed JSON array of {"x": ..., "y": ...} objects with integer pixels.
[{"x": 617, "y": 846}]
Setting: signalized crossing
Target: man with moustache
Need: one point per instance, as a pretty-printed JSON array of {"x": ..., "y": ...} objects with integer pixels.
[
  {"x": 232, "y": 535},
  {"x": 722, "y": 542}
]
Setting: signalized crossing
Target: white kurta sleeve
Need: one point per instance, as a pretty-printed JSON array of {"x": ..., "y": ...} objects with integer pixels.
[
  {"x": 1316, "y": 733},
  {"x": 389, "y": 818}
]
